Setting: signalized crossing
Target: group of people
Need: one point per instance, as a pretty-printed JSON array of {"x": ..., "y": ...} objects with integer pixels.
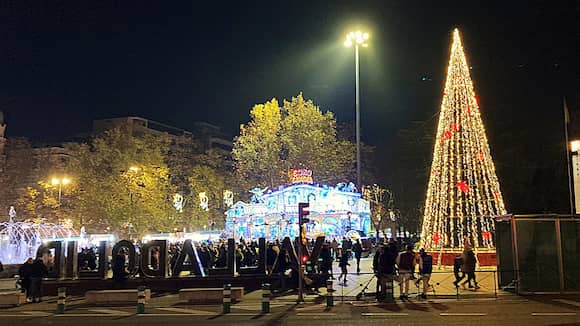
[
  {"x": 389, "y": 264},
  {"x": 31, "y": 274}
]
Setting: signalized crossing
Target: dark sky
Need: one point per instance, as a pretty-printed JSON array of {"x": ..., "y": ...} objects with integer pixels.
[{"x": 64, "y": 63}]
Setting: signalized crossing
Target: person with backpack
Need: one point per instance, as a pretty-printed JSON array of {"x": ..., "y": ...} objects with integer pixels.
[
  {"x": 425, "y": 270},
  {"x": 406, "y": 265}
]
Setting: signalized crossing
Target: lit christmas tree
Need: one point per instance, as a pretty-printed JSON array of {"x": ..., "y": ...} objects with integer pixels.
[{"x": 463, "y": 195}]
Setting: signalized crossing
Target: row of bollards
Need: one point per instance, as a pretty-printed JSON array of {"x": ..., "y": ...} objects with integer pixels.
[
  {"x": 61, "y": 300},
  {"x": 227, "y": 298}
]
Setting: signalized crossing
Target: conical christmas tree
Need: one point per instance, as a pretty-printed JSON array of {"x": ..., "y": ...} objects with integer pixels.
[{"x": 463, "y": 195}]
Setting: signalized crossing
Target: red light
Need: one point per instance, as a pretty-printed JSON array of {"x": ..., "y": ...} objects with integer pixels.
[{"x": 304, "y": 259}]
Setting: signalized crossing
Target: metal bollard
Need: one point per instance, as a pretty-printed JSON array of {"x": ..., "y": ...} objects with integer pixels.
[
  {"x": 227, "y": 298},
  {"x": 265, "y": 297},
  {"x": 141, "y": 300},
  {"x": 329, "y": 295},
  {"x": 61, "y": 300}
]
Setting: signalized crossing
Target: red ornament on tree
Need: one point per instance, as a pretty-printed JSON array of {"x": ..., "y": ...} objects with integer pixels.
[
  {"x": 454, "y": 126},
  {"x": 496, "y": 195},
  {"x": 462, "y": 186},
  {"x": 447, "y": 134},
  {"x": 468, "y": 110},
  {"x": 480, "y": 156}
]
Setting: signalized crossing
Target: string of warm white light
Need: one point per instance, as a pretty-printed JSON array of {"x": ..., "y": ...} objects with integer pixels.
[{"x": 463, "y": 194}]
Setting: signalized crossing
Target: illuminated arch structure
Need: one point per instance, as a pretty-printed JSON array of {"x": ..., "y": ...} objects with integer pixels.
[{"x": 274, "y": 214}]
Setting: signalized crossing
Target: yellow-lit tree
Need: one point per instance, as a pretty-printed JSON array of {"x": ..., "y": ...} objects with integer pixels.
[{"x": 463, "y": 194}]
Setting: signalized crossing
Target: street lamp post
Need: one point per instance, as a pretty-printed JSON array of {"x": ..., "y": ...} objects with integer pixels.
[
  {"x": 357, "y": 38},
  {"x": 60, "y": 182}
]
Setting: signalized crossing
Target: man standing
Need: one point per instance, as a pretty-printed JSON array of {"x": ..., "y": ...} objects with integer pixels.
[
  {"x": 357, "y": 248},
  {"x": 385, "y": 268},
  {"x": 38, "y": 271},
  {"x": 425, "y": 270},
  {"x": 406, "y": 265},
  {"x": 25, "y": 273}
]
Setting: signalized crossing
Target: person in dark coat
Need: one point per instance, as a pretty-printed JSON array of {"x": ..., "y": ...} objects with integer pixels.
[
  {"x": 38, "y": 271},
  {"x": 469, "y": 268},
  {"x": 25, "y": 274},
  {"x": 326, "y": 261},
  {"x": 270, "y": 258},
  {"x": 119, "y": 272},
  {"x": 358, "y": 249},
  {"x": 459, "y": 274},
  {"x": 425, "y": 270},
  {"x": 343, "y": 263}
]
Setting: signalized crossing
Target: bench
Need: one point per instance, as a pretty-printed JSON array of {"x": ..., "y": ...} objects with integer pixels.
[
  {"x": 115, "y": 296},
  {"x": 12, "y": 298},
  {"x": 209, "y": 295}
]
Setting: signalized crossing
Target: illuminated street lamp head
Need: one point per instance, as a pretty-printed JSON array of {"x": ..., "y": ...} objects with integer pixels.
[
  {"x": 55, "y": 181},
  {"x": 65, "y": 181},
  {"x": 575, "y": 146},
  {"x": 358, "y": 38},
  {"x": 134, "y": 168}
]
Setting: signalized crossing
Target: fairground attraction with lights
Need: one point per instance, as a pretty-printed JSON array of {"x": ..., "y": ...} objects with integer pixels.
[{"x": 336, "y": 212}]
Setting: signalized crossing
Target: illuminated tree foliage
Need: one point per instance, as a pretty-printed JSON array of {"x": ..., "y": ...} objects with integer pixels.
[
  {"x": 296, "y": 135},
  {"x": 463, "y": 194},
  {"x": 122, "y": 180}
]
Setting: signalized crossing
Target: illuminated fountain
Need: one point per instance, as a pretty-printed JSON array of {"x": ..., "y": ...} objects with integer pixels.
[{"x": 20, "y": 240}]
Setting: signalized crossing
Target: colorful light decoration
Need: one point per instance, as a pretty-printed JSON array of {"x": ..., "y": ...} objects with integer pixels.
[
  {"x": 463, "y": 195},
  {"x": 178, "y": 202},
  {"x": 204, "y": 201},
  {"x": 228, "y": 198}
]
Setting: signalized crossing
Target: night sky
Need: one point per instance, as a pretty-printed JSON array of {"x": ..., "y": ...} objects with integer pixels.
[{"x": 65, "y": 63}]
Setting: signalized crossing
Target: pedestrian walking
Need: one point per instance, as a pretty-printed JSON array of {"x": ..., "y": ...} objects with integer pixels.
[
  {"x": 357, "y": 248},
  {"x": 343, "y": 263},
  {"x": 425, "y": 270},
  {"x": 459, "y": 275},
  {"x": 469, "y": 267},
  {"x": 406, "y": 265}
]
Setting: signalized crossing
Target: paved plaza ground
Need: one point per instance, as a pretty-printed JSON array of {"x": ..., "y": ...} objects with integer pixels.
[{"x": 445, "y": 305}]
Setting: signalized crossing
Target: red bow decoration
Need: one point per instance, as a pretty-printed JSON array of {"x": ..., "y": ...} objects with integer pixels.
[
  {"x": 480, "y": 156},
  {"x": 462, "y": 186},
  {"x": 436, "y": 237},
  {"x": 496, "y": 195},
  {"x": 447, "y": 134},
  {"x": 486, "y": 235}
]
